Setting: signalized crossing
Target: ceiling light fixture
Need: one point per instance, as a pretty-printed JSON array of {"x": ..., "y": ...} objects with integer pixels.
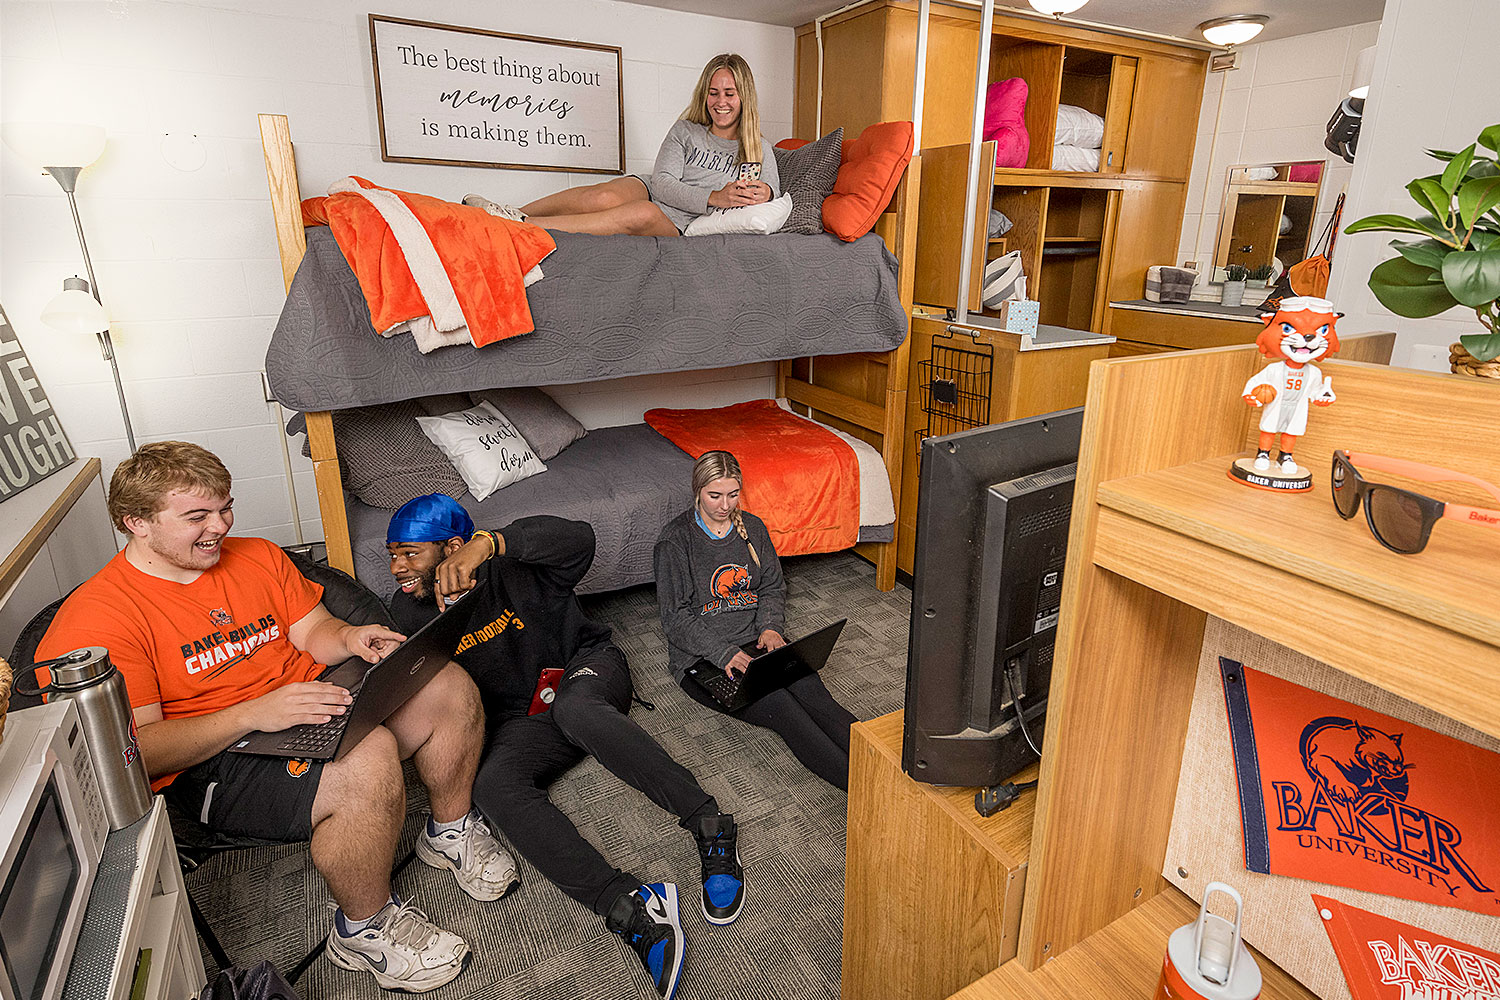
[
  {"x": 1056, "y": 8},
  {"x": 1233, "y": 30}
]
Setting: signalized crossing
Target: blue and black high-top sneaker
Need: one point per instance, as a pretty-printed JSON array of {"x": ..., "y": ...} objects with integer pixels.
[
  {"x": 648, "y": 921},
  {"x": 723, "y": 878}
]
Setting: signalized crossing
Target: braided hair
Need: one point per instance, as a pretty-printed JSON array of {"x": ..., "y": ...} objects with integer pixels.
[{"x": 713, "y": 465}]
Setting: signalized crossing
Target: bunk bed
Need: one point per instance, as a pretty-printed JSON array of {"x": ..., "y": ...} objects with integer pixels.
[{"x": 317, "y": 366}]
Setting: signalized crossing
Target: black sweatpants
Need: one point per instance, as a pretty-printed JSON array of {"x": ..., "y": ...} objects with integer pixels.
[
  {"x": 815, "y": 727},
  {"x": 526, "y": 754}
]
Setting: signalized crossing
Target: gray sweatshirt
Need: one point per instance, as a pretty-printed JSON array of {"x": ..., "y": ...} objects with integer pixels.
[
  {"x": 712, "y": 596},
  {"x": 692, "y": 164}
]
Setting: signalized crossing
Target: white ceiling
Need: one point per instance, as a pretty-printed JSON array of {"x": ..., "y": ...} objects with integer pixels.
[{"x": 1167, "y": 17}]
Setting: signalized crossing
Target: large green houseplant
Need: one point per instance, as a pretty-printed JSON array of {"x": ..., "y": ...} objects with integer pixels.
[{"x": 1457, "y": 260}]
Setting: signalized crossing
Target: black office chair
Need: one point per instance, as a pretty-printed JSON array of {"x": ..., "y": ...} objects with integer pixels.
[{"x": 344, "y": 597}]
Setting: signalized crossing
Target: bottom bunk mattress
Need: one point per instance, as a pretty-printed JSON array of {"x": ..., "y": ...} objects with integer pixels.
[{"x": 626, "y": 481}]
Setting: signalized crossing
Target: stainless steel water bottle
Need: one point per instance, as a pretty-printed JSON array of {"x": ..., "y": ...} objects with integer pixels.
[{"x": 91, "y": 682}]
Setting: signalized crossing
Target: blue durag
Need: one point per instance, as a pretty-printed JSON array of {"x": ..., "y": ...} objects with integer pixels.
[{"x": 431, "y": 518}]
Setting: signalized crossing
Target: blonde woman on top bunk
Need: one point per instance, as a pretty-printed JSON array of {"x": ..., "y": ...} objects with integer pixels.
[
  {"x": 697, "y": 168},
  {"x": 719, "y": 586}
]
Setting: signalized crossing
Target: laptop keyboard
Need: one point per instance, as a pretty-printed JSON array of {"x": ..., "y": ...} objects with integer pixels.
[
  {"x": 319, "y": 739},
  {"x": 720, "y": 684}
]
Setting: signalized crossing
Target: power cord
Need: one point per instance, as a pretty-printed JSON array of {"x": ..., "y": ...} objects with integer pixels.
[
  {"x": 1012, "y": 677},
  {"x": 998, "y": 798}
]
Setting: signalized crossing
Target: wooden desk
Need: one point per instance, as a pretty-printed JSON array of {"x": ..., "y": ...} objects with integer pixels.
[
  {"x": 1142, "y": 327},
  {"x": 932, "y": 890}
]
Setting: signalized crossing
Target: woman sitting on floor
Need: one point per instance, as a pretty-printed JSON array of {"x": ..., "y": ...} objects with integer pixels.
[
  {"x": 697, "y": 168},
  {"x": 719, "y": 586}
]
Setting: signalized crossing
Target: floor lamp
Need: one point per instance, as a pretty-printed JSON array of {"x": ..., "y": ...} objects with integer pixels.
[{"x": 63, "y": 150}]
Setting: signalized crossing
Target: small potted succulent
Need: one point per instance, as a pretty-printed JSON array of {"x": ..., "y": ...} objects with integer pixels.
[
  {"x": 1260, "y": 277},
  {"x": 1456, "y": 260},
  {"x": 1233, "y": 291}
]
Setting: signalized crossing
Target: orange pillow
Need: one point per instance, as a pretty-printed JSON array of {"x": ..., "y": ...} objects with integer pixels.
[
  {"x": 315, "y": 211},
  {"x": 872, "y": 167}
]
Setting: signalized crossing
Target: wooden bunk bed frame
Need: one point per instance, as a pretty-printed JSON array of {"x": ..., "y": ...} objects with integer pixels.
[{"x": 863, "y": 394}]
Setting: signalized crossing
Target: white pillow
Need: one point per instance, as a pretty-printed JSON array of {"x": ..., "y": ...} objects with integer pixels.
[
  {"x": 1078, "y": 127},
  {"x": 767, "y": 217},
  {"x": 486, "y": 449}
]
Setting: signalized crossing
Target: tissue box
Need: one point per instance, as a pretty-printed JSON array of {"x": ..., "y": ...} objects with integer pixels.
[
  {"x": 1169, "y": 284},
  {"x": 1019, "y": 315}
]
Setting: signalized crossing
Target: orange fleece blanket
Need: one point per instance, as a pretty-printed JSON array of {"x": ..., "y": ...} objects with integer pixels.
[
  {"x": 418, "y": 256},
  {"x": 799, "y": 479}
]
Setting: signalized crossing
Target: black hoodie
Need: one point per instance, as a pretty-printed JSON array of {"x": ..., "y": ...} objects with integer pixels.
[{"x": 525, "y": 616}]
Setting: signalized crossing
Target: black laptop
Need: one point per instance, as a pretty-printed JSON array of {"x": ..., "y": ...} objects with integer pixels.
[
  {"x": 768, "y": 672},
  {"x": 378, "y": 688}
]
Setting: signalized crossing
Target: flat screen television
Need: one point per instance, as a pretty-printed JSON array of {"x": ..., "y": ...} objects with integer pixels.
[{"x": 993, "y": 507}]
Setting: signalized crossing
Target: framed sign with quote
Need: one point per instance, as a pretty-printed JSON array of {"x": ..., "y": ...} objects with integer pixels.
[
  {"x": 32, "y": 442},
  {"x": 477, "y": 98}
]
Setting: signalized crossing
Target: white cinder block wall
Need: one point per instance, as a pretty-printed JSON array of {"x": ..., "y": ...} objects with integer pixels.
[
  {"x": 1433, "y": 87},
  {"x": 1275, "y": 106},
  {"x": 187, "y": 261}
]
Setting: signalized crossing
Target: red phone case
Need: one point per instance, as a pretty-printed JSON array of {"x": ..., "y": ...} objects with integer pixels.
[{"x": 546, "y": 690}]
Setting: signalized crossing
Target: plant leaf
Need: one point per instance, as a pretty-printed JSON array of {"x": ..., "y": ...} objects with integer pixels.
[
  {"x": 1430, "y": 196},
  {"x": 1457, "y": 167},
  {"x": 1473, "y": 278},
  {"x": 1424, "y": 253},
  {"x": 1484, "y": 346},
  {"x": 1441, "y": 154},
  {"x": 1490, "y": 138},
  {"x": 1482, "y": 167},
  {"x": 1477, "y": 197},
  {"x": 1385, "y": 223},
  {"x": 1403, "y": 288}
]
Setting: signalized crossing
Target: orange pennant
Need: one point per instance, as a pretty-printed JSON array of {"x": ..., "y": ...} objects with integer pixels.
[
  {"x": 1336, "y": 793},
  {"x": 1384, "y": 959}
]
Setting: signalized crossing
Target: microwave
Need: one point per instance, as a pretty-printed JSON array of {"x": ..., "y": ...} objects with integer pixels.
[{"x": 52, "y": 831}]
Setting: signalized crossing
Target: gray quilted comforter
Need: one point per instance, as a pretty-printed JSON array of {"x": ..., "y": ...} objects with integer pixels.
[{"x": 609, "y": 306}]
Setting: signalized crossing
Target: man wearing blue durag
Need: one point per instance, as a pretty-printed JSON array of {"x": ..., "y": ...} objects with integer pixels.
[{"x": 555, "y": 689}]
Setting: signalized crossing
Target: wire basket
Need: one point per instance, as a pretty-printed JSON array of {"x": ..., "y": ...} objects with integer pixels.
[{"x": 955, "y": 386}]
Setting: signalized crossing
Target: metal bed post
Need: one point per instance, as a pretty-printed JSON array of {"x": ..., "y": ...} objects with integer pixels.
[{"x": 971, "y": 196}]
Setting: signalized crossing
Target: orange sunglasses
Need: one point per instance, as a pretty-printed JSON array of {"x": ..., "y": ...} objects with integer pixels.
[{"x": 1400, "y": 519}]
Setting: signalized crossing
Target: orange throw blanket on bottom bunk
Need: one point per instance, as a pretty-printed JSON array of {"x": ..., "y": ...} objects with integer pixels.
[{"x": 799, "y": 479}]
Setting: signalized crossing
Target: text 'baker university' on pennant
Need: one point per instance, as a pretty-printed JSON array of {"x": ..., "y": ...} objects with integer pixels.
[{"x": 1336, "y": 793}]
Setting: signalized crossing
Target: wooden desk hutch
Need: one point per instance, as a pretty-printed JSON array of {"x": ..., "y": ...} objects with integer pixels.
[{"x": 1161, "y": 539}]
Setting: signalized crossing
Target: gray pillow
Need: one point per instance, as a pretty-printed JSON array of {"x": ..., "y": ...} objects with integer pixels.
[
  {"x": 547, "y": 427},
  {"x": 807, "y": 174},
  {"x": 385, "y": 458}
]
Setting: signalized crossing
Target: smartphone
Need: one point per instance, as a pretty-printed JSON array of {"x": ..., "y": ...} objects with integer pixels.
[
  {"x": 546, "y": 690},
  {"x": 749, "y": 171}
]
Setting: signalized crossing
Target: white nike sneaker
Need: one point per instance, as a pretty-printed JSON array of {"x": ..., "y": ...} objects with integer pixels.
[
  {"x": 484, "y": 869},
  {"x": 402, "y": 949},
  {"x": 510, "y": 212}
]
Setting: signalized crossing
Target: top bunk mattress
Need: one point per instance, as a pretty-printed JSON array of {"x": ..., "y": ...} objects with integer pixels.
[{"x": 609, "y": 306}]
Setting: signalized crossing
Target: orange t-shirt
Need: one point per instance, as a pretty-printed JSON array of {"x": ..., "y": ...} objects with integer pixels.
[{"x": 194, "y": 647}]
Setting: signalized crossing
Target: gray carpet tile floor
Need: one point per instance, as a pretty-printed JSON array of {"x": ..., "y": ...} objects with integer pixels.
[{"x": 539, "y": 944}]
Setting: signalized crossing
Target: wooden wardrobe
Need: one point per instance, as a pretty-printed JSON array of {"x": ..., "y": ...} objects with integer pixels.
[{"x": 1085, "y": 237}]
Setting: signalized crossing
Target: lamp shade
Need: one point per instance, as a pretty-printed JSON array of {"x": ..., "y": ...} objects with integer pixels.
[
  {"x": 73, "y": 310},
  {"x": 1364, "y": 69},
  {"x": 54, "y": 144},
  {"x": 1057, "y": 8},
  {"x": 1236, "y": 29}
]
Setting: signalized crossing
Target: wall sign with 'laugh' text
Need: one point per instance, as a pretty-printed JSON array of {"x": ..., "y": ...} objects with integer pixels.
[
  {"x": 471, "y": 97},
  {"x": 32, "y": 442}
]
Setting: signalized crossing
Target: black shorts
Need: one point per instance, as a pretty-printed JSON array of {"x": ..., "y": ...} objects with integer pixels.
[{"x": 245, "y": 795}]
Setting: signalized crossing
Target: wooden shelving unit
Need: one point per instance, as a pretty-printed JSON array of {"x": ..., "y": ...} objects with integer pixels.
[
  {"x": 1161, "y": 539},
  {"x": 1122, "y": 960}
]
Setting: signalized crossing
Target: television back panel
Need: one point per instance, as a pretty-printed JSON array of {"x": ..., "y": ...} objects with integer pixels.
[{"x": 992, "y": 516}]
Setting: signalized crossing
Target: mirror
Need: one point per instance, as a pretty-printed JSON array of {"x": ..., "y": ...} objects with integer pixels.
[{"x": 1269, "y": 213}]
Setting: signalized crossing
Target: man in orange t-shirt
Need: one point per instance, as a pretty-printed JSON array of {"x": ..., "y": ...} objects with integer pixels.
[{"x": 218, "y": 637}]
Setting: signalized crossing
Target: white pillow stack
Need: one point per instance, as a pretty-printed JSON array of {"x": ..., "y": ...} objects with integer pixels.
[{"x": 486, "y": 449}]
